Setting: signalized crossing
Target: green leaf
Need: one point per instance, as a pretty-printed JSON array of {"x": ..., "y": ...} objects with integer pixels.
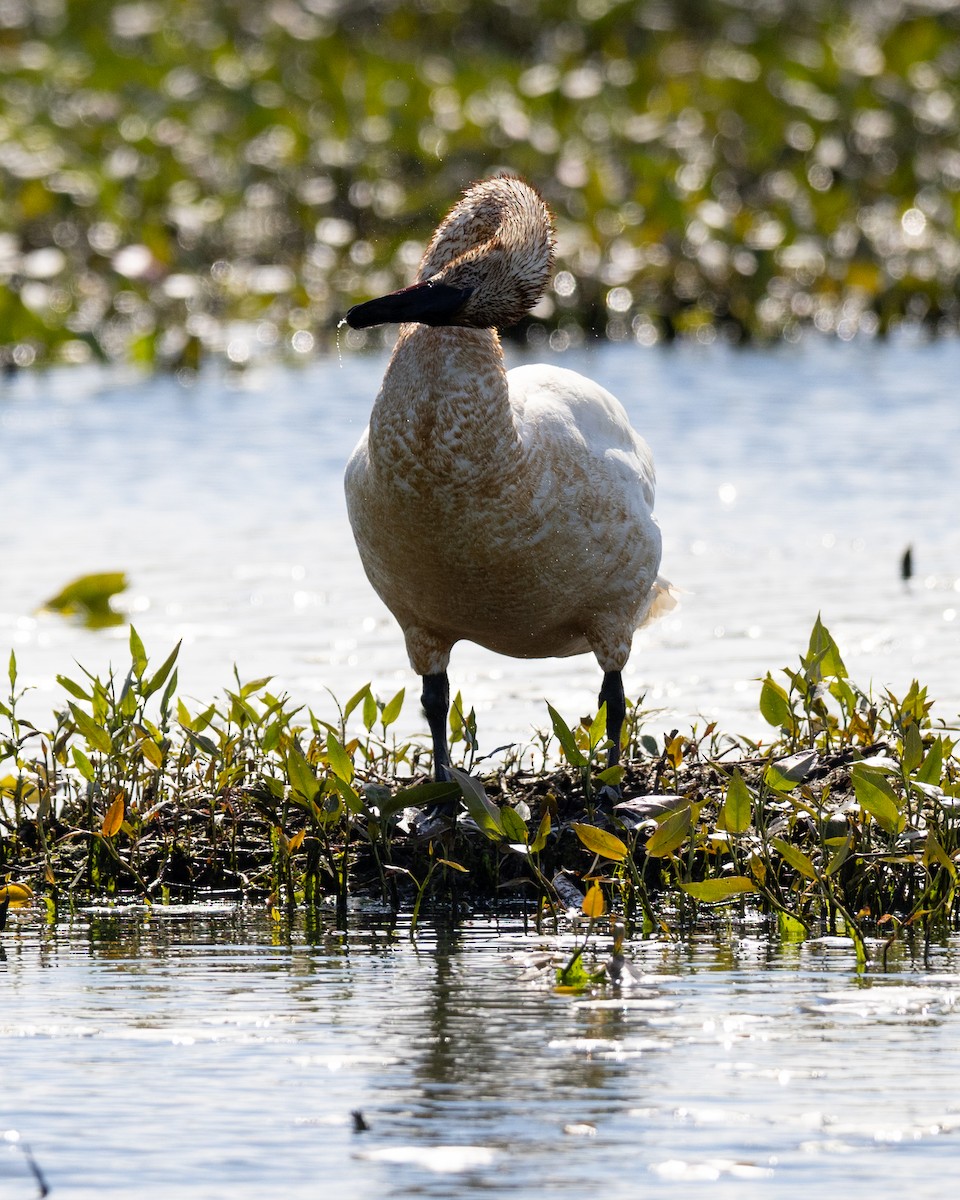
[
  {"x": 251, "y": 688},
  {"x": 159, "y": 678},
  {"x": 138, "y": 655},
  {"x": 202, "y": 720},
  {"x": 711, "y": 891},
  {"x": 391, "y": 710},
  {"x": 302, "y": 776},
  {"x": 932, "y": 770},
  {"x": 83, "y": 764},
  {"x": 89, "y": 599},
  {"x": 933, "y": 852},
  {"x": 839, "y": 856},
  {"x": 201, "y": 743},
  {"x": 737, "y": 805},
  {"x": 543, "y": 832},
  {"x": 74, "y": 689},
  {"x": 823, "y": 654},
  {"x": 791, "y": 930},
  {"x": 574, "y": 977},
  {"x": 566, "y": 739},
  {"x": 774, "y": 704},
  {"x": 242, "y": 712},
  {"x": 168, "y": 693},
  {"x": 876, "y": 796},
  {"x": 796, "y": 858},
  {"x": 96, "y": 736},
  {"x": 598, "y": 841},
  {"x": 913, "y": 749},
  {"x": 357, "y": 698},
  {"x": 349, "y": 796},
  {"x": 12, "y": 671},
  {"x": 786, "y": 773},
  {"x": 418, "y": 797},
  {"x": 598, "y": 727},
  {"x": 340, "y": 762},
  {"x": 478, "y": 805},
  {"x": 128, "y": 699},
  {"x": 369, "y": 710},
  {"x": 671, "y": 833},
  {"x": 455, "y": 718},
  {"x": 514, "y": 825}
]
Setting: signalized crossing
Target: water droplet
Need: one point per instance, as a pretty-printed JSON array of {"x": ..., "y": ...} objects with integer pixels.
[{"x": 340, "y": 325}]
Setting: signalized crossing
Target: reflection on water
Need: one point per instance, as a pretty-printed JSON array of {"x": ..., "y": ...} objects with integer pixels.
[
  {"x": 790, "y": 482},
  {"x": 213, "y": 1054}
]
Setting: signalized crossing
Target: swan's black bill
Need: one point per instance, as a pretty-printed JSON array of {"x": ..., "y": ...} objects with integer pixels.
[{"x": 424, "y": 303}]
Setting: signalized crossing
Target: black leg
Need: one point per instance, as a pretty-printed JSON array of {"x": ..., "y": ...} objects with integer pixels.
[
  {"x": 612, "y": 695},
  {"x": 435, "y": 699}
]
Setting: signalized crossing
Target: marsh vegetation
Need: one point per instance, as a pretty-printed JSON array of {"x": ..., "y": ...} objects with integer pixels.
[
  {"x": 185, "y": 180},
  {"x": 846, "y": 819}
]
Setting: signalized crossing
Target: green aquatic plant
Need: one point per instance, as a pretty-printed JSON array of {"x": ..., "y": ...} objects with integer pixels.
[
  {"x": 421, "y": 885},
  {"x": 582, "y": 748},
  {"x": 573, "y": 976},
  {"x": 715, "y": 171},
  {"x": 89, "y": 597},
  {"x": 847, "y": 820}
]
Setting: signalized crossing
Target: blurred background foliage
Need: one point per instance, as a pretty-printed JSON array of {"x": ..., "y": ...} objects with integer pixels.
[{"x": 181, "y": 178}]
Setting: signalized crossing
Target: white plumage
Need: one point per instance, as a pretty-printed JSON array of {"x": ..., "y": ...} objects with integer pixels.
[{"x": 512, "y": 509}]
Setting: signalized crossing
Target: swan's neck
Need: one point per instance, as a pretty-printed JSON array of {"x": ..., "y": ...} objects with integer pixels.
[{"x": 443, "y": 411}]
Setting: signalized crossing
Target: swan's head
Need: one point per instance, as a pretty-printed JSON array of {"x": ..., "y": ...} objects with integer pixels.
[{"x": 486, "y": 265}]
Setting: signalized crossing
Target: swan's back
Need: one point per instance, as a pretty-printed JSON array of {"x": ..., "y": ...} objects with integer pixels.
[{"x": 574, "y": 417}]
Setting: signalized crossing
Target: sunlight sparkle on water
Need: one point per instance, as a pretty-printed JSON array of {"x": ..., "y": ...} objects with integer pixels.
[{"x": 263, "y": 462}]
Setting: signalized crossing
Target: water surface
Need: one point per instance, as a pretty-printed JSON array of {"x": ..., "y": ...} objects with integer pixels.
[
  {"x": 216, "y": 1055},
  {"x": 790, "y": 482}
]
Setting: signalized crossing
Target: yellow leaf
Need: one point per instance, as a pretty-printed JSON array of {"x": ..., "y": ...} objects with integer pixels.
[
  {"x": 671, "y": 833},
  {"x": 114, "y": 818},
  {"x": 594, "y": 905},
  {"x": 758, "y": 869},
  {"x": 296, "y": 841},
  {"x": 15, "y": 893},
  {"x": 151, "y": 752},
  {"x": 10, "y": 784},
  {"x": 446, "y": 862},
  {"x": 674, "y": 752},
  {"x": 598, "y": 841},
  {"x": 713, "y": 891}
]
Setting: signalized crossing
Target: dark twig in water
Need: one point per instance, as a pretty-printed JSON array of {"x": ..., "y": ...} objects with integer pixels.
[{"x": 13, "y": 1138}]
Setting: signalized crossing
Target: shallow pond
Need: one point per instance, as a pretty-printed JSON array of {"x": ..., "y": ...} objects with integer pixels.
[
  {"x": 216, "y": 1055},
  {"x": 790, "y": 482}
]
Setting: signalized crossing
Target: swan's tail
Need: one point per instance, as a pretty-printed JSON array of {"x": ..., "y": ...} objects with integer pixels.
[{"x": 662, "y": 599}]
